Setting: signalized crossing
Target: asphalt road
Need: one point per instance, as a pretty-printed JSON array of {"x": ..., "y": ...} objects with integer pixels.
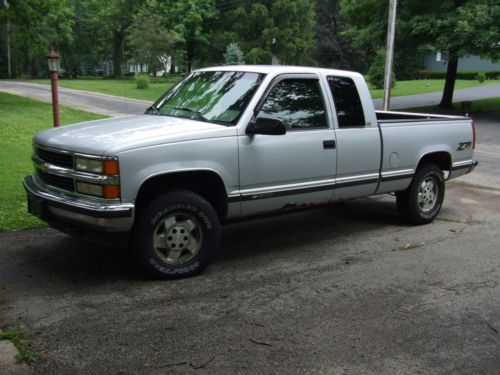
[
  {"x": 88, "y": 101},
  {"x": 434, "y": 98},
  {"x": 343, "y": 289},
  {"x": 488, "y": 145},
  {"x": 119, "y": 106}
]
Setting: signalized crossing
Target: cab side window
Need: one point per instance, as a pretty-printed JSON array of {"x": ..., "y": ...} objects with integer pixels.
[
  {"x": 298, "y": 103},
  {"x": 347, "y": 102}
]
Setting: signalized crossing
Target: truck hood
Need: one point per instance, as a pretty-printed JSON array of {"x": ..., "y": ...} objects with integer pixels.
[{"x": 111, "y": 136}]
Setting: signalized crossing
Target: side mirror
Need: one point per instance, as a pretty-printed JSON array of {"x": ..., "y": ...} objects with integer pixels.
[{"x": 266, "y": 126}]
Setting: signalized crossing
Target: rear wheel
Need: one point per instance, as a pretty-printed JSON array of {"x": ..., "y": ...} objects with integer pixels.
[
  {"x": 422, "y": 201},
  {"x": 176, "y": 235}
]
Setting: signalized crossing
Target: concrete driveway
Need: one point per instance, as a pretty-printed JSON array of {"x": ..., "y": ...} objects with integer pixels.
[{"x": 342, "y": 289}]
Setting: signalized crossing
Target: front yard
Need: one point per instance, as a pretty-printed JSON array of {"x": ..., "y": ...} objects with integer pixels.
[{"x": 20, "y": 119}]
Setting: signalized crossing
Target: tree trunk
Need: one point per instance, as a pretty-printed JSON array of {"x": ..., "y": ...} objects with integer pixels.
[
  {"x": 9, "y": 66},
  {"x": 34, "y": 68},
  {"x": 449, "y": 85},
  {"x": 118, "y": 38},
  {"x": 172, "y": 65}
]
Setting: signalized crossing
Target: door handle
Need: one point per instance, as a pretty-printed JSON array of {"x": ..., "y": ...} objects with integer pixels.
[{"x": 329, "y": 144}]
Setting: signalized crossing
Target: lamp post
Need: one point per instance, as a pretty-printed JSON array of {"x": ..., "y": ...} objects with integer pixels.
[{"x": 53, "y": 62}]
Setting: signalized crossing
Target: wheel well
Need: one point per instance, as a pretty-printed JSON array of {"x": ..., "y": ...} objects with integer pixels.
[
  {"x": 205, "y": 183},
  {"x": 441, "y": 159}
]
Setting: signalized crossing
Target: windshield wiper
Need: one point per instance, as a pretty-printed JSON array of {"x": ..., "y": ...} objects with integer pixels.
[
  {"x": 197, "y": 113},
  {"x": 152, "y": 110}
]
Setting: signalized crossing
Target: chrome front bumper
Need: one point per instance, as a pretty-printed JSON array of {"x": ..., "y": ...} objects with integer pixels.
[{"x": 65, "y": 209}]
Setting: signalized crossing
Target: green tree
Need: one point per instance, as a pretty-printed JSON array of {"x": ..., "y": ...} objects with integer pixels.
[
  {"x": 458, "y": 27},
  {"x": 293, "y": 30},
  {"x": 150, "y": 41},
  {"x": 376, "y": 72},
  {"x": 367, "y": 30},
  {"x": 233, "y": 55},
  {"x": 87, "y": 47},
  {"x": 333, "y": 47},
  {"x": 192, "y": 19},
  {"x": 38, "y": 25},
  {"x": 114, "y": 20},
  {"x": 284, "y": 28}
]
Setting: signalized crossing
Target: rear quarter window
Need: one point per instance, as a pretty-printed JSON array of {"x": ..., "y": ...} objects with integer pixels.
[{"x": 347, "y": 102}]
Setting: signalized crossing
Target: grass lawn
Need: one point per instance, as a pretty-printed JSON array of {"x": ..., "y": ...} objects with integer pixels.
[
  {"x": 20, "y": 119},
  {"x": 128, "y": 88},
  {"x": 423, "y": 86},
  {"x": 118, "y": 87}
]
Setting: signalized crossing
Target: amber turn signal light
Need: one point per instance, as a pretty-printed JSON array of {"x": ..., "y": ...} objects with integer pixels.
[
  {"x": 110, "y": 167},
  {"x": 111, "y": 191}
]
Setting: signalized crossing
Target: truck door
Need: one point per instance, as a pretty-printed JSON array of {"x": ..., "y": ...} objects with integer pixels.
[
  {"x": 358, "y": 141},
  {"x": 296, "y": 168}
]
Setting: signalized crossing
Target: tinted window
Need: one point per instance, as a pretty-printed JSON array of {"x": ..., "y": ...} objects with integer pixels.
[
  {"x": 297, "y": 102},
  {"x": 347, "y": 101}
]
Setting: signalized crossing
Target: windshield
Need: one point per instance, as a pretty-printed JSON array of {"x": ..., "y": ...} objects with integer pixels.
[{"x": 219, "y": 97}]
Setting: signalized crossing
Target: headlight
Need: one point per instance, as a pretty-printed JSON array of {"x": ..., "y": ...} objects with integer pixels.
[
  {"x": 90, "y": 189},
  {"x": 107, "y": 167},
  {"x": 107, "y": 187},
  {"x": 103, "y": 191},
  {"x": 89, "y": 165}
]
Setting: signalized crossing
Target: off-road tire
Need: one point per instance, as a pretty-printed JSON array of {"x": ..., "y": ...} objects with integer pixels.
[
  {"x": 176, "y": 235},
  {"x": 422, "y": 201}
]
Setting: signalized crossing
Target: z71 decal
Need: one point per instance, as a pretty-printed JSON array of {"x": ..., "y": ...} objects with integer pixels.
[{"x": 464, "y": 146}]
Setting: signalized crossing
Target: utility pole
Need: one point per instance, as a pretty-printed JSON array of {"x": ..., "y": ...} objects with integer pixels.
[
  {"x": 9, "y": 67},
  {"x": 391, "y": 31}
]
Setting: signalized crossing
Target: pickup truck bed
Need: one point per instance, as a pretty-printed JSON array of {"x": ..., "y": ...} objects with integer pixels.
[{"x": 409, "y": 116}]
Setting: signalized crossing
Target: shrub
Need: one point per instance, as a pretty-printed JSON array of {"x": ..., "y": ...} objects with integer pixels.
[
  {"x": 233, "y": 55},
  {"x": 481, "y": 77},
  {"x": 376, "y": 72},
  {"x": 406, "y": 65},
  {"x": 492, "y": 75},
  {"x": 467, "y": 75},
  {"x": 142, "y": 81}
]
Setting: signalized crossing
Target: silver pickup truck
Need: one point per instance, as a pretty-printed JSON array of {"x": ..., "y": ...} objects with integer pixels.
[{"x": 235, "y": 141}]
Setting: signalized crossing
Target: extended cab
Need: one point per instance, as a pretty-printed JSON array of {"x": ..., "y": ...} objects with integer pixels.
[{"x": 234, "y": 141}]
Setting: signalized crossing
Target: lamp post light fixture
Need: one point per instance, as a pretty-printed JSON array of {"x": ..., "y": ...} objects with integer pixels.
[{"x": 54, "y": 65}]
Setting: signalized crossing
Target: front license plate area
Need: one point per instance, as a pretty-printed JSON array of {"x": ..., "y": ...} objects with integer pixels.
[{"x": 36, "y": 206}]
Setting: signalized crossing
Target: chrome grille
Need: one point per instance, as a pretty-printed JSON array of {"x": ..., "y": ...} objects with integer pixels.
[
  {"x": 55, "y": 158},
  {"x": 59, "y": 159},
  {"x": 60, "y": 182}
]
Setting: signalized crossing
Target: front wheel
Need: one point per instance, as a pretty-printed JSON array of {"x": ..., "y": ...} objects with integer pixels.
[
  {"x": 176, "y": 235},
  {"x": 422, "y": 201}
]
